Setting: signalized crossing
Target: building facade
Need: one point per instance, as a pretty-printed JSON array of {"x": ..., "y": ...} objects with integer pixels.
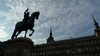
[
  {"x": 2, "y": 46},
  {"x": 82, "y": 46}
]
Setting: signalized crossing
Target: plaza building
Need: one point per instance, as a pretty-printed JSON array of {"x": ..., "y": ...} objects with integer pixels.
[
  {"x": 2, "y": 45},
  {"x": 82, "y": 46}
]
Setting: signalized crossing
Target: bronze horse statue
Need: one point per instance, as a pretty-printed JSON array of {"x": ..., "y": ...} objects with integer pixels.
[{"x": 20, "y": 26}]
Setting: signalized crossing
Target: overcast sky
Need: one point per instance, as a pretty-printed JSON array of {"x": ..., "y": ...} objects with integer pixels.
[{"x": 68, "y": 18}]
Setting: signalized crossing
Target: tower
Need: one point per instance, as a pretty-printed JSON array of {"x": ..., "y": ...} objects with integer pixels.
[
  {"x": 50, "y": 39},
  {"x": 97, "y": 28}
]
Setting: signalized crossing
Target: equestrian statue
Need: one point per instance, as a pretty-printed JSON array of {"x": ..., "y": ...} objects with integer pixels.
[{"x": 26, "y": 24}]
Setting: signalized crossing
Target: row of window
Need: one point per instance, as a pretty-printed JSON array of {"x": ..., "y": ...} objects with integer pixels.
[
  {"x": 79, "y": 47},
  {"x": 72, "y": 51},
  {"x": 86, "y": 43}
]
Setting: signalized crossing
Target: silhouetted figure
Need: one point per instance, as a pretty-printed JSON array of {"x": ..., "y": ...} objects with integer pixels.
[
  {"x": 26, "y": 16},
  {"x": 19, "y": 27}
]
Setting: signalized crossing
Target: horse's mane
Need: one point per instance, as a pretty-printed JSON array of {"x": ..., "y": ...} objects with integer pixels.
[{"x": 34, "y": 13}]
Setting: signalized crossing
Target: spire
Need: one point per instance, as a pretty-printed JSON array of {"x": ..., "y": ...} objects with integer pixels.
[
  {"x": 50, "y": 39},
  {"x": 95, "y": 23},
  {"x": 51, "y": 32}
]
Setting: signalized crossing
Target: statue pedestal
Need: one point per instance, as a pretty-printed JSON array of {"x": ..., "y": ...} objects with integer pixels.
[{"x": 18, "y": 47}]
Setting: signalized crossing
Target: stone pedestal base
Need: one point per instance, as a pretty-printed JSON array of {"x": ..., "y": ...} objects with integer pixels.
[{"x": 18, "y": 47}]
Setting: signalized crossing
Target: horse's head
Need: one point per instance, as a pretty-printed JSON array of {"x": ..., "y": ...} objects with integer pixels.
[{"x": 36, "y": 14}]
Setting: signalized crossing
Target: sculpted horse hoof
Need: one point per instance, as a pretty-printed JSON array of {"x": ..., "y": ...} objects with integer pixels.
[{"x": 30, "y": 34}]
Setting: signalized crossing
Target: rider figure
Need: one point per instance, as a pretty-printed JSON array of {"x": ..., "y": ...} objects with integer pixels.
[{"x": 26, "y": 16}]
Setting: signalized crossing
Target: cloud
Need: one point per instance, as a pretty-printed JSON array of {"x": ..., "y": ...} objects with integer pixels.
[
  {"x": 67, "y": 17},
  {"x": 39, "y": 41},
  {"x": 2, "y": 32}
]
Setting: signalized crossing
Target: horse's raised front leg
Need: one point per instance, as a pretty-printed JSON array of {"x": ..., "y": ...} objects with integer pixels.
[
  {"x": 32, "y": 32},
  {"x": 25, "y": 33}
]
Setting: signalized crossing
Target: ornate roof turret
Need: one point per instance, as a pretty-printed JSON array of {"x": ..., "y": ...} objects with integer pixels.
[
  {"x": 97, "y": 28},
  {"x": 95, "y": 23},
  {"x": 50, "y": 39}
]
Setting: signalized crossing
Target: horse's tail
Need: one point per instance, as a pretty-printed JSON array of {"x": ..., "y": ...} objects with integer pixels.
[{"x": 14, "y": 33}]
